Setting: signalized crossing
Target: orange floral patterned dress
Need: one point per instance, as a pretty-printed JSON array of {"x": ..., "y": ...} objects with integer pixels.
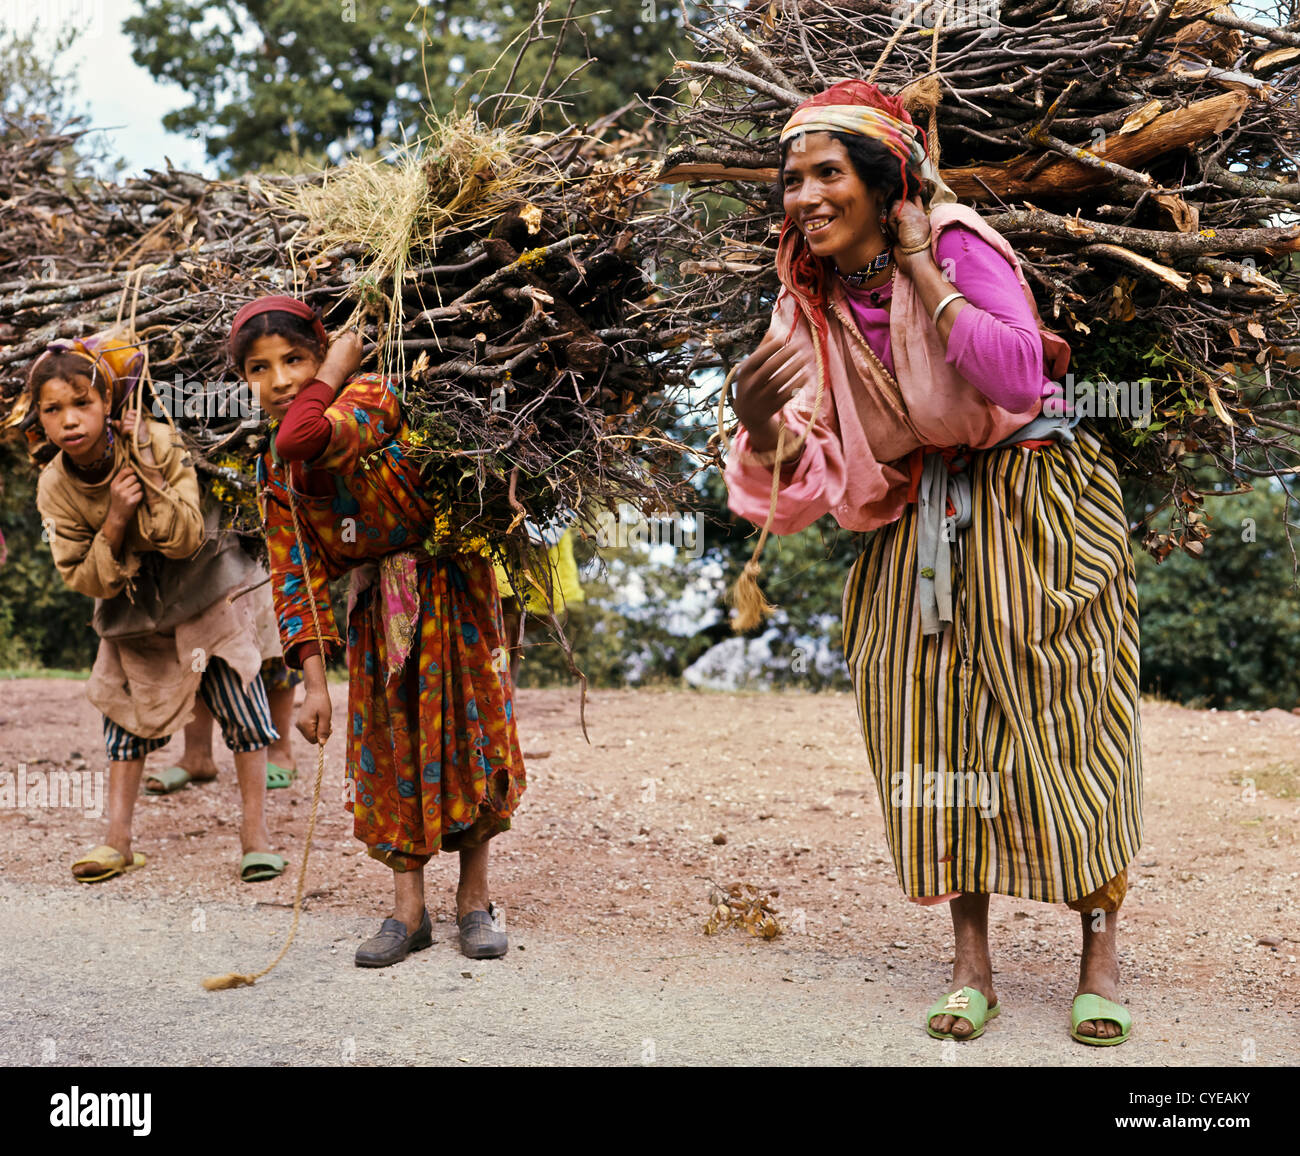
[{"x": 433, "y": 761}]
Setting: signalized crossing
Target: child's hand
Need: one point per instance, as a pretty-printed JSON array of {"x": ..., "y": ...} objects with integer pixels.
[
  {"x": 149, "y": 470},
  {"x": 314, "y": 716},
  {"x": 126, "y": 426},
  {"x": 127, "y": 423},
  {"x": 124, "y": 495},
  {"x": 341, "y": 359}
]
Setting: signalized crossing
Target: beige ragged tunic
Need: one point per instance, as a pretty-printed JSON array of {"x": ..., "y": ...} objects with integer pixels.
[{"x": 147, "y": 684}]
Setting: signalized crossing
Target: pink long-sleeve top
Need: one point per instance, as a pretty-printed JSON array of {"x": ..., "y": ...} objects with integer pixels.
[{"x": 994, "y": 343}]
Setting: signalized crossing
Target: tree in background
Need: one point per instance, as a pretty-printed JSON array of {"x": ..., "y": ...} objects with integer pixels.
[
  {"x": 803, "y": 577},
  {"x": 34, "y": 94},
  {"x": 277, "y": 82},
  {"x": 38, "y": 96},
  {"x": 650, "y": 613},
  {"x": 626, "y": 632},
  {"x": 42, "y": 622},
  {"x": 1223, "y": 630}
]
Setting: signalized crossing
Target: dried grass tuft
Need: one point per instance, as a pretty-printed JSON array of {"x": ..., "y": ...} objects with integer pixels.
[{"x": 458, "y": 177}]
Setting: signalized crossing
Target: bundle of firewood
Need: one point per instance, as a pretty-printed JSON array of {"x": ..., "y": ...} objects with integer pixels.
[
  {"x": 1137, "y": 155},
  {"x": 494, "y": 274}
]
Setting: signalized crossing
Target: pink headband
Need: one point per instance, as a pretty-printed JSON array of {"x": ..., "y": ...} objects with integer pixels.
[{"x": 279, "y": 303}]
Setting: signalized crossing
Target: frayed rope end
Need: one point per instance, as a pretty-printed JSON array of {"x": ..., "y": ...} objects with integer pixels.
[
  {"x": 227, "y": 981},
  {"x": 751, "y": 605}
]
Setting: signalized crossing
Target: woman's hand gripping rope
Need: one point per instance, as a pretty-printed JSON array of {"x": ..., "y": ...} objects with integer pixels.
[{"x": 768, "y": 378}]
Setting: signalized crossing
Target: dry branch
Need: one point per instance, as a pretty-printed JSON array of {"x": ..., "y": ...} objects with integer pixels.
[
  {"x": 506, "y": 300},
  {"x": 1140, "y": 158}
]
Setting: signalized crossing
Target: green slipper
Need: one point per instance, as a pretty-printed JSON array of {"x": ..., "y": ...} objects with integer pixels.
[
  {"x": 258, "y": 866},
  {"x": 278, "y": 777},
  {"x": 172, "y": 779},
  {"x": 1096, "y": 1007},
  {"x": 967, "y": 1004}
]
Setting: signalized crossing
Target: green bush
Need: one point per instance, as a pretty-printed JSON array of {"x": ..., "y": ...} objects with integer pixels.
[
  {"x": 42, "y": 622},
  {"x": 1223, "y": 630}
]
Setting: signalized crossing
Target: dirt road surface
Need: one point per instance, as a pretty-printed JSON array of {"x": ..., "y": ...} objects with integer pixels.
[{"x": 605, "y": 881}]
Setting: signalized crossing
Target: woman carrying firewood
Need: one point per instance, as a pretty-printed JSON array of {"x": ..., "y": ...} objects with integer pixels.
[
  {"x": 990, "y": 626},
  {"x": 433, "y": 761}
]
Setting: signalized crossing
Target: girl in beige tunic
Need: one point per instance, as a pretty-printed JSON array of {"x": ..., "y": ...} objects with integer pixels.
[{"x": 125, "y": 528}]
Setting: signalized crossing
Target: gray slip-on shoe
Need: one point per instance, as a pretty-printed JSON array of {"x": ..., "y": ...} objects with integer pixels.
[
  {"x": 392, "y": 944},
  {"x": 479, "y": 938}
]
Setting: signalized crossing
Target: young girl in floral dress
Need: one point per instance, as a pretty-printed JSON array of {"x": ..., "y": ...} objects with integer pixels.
[{"x": 433, "y": 761}]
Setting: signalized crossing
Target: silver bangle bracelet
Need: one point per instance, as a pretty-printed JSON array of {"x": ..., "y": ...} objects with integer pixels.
[{"x": 940, "y": 307}]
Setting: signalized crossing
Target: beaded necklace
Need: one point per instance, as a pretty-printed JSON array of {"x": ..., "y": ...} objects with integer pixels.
[
  {"x": 875, "y": 301},
  {"x": 881, "y": 260}
]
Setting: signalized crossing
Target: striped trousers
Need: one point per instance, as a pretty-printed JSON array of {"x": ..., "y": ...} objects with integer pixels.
[
  {"x": 1007, "y": 749},
  {"x": 242, "y": 711}
]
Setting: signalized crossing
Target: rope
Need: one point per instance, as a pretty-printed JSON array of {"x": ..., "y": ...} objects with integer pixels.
[
  {"x": 751, "y": 605},
  {"x": 903, "y": 26},
  {"x": 234, "y": 978},
  {"x": 133, "y": 445},
  {"x": 722, "y": 407},
  {"x": 932, "y": 137}
]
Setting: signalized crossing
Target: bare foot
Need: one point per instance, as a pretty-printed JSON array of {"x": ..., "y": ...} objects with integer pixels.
[
  {"x": 411, "y": 918},
  {"x": 254, "y": 838},
  {"x": 281, "y": 754},
  {"x": 472, "y": 889},
  {"x": 467, "y": 903},
  {"x": 967, "y": 972},
  {"x": 1099, "y": 972},
  {"x": 408, "y": 898},
  {"x": 200, "y": 765}
]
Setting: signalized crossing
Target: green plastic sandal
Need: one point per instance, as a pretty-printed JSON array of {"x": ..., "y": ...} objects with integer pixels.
[
  {"x": 172, "y": 779},
  {"x": 259, "y": 866},
  {"x": 278, "y": 777},
  {"x": 967, "y": 1004},
  {"x": 1096, "y": 1007}
]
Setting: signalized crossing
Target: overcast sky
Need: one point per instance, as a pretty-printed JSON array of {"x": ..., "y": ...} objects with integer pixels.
[{"x": 117, "y": 94}]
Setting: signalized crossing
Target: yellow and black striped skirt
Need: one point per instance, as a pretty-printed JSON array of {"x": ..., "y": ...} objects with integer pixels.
[{"x": 1007, "y": 749}]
